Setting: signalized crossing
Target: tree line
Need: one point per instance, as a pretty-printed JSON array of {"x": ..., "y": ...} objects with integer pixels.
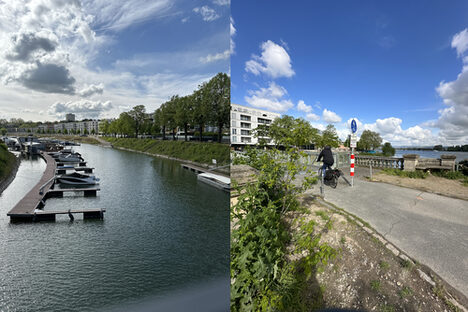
[
  {"x": 208, "y": 105},
  {"x": 288, "y": 131}
]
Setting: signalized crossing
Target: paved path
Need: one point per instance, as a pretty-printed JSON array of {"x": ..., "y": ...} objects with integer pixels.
[{"x": 432, "y": 229}]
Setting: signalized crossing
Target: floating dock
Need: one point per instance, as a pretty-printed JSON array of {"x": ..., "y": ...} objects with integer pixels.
[
  {"x": 28, "y": 208},
  {"x": 198, "y": 169}
]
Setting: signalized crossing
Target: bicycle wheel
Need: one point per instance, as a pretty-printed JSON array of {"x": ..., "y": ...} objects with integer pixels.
[{"x": 334, "y": 181}]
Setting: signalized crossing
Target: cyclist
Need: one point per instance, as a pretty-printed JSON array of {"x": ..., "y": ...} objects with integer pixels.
[{"x": 328, "y": 160}]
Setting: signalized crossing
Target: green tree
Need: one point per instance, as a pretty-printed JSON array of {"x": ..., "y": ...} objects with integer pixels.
[
  {"x": 388, "y": 150},
  {"x": 184, "y": 113},
  {"x": 3, "y": 131},
  {"x": 104, "y": 126},
  {"x": 138, "y": 114},
  {"x": 289, "y": 131},
  {"x": 65, "y": 131},
  {"x": 218, "y": 91},
  {"x": 125, "y": 125},
  {"x": 156, "y": 128},
  {"x": 369, "y": 140},
  {"x": 200, "y": 108},
  {"x": 329, "y": 137},
  {"x": 438, "y": 148}
]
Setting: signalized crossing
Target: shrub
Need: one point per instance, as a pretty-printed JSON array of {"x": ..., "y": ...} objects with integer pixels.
[{"x": 417, "y": 174}]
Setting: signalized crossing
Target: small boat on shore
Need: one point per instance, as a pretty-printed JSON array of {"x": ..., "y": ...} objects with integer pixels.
[
  {"x": 76, "y": 179},
  {"x": 215, "y": 180}
]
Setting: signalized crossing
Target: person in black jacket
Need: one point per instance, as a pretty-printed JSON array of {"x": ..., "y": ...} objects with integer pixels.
[{"x": 327, "y": 156}]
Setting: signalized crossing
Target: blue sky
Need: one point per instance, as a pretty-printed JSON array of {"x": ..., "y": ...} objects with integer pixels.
[
  {"x": 396, "y": 66},
  {"x": 97, "y": 58}
]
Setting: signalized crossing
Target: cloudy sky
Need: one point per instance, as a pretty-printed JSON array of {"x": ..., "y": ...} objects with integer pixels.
[
  {"x": 400, "y": 68},
  {"x": 99, "y": 58}
]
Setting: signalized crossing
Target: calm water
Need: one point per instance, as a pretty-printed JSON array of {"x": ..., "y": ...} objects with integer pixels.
[
  {"x": 162, "y": 230},
  {"x": 432, "y": 154}
]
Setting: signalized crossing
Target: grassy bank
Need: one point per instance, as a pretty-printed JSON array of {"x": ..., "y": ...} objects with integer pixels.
[
  {"x": 74, "y": 138},
  {"x": 193, "y": 151},
  {"x": 7, "y": 162}
]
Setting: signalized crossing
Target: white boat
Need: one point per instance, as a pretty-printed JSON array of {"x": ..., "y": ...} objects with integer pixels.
[
  {"x": 69, "y": 158},
  {"x": 77, "y": 179},
  {"x": 215, "y": 180}
]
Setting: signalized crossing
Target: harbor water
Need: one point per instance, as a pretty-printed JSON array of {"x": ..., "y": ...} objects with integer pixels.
[
  {"x": 162, "y": 231},
  {"x": 432, "y": 154}
]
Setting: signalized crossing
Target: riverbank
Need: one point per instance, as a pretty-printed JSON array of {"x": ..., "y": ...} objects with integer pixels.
[
  {"x": 193, "y": 152},
  {"x": 8, "y": 167}
]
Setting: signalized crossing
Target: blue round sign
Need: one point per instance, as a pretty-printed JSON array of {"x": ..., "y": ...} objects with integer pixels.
[{"x": 353, "y": 126}]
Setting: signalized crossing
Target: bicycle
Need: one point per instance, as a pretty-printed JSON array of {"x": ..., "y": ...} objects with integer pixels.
[{"x": 332, "y": 179}]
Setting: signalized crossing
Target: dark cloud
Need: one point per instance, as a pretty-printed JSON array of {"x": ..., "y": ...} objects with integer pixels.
[
  {"x": 49, "y": 78},
  {"x": 27, "y": 44}
]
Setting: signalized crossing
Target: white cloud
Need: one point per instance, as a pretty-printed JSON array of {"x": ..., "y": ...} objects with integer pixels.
[
  {"x": 91, "y": 89},
  {"x": 207, "y": 13},
  {"x": 222, "y": 2},
  {"x": 313, "y": 117},
  {"x": 460, "y": 42},
  {"x": 303, "y": 107},
  {"x": 233, "y": 33},
  {"x": 118, "y": 15},
  {"x": 274, "y": 61},
  {"x": 330, "y": 117},
  {"x": 270, "y": 98},
  {"x": 215, "y": 57},
  {"x": 83, "y": 108},
  {"x": 453, "y": 119}
]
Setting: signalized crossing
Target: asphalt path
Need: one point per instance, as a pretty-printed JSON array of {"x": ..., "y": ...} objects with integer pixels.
[{"x": 430, "y": 228}]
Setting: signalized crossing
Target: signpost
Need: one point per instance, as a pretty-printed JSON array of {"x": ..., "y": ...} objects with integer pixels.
[{"x": 353, "y": 144}]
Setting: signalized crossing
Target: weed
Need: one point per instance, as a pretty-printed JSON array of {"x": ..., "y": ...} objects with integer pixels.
[
  {"x": 387, "y": 308},
  {"x": 452, "y": 175},
  {"x": 405, "y": 292},
  {"x": 384, "y": 265},
  {"x": 407, "y": 264},
  {"x": 375, "y": 285},
  {"x": 418, "y": 174},
  {"x": 322, "y": 214},
  {"x": 343, "y": 239}
]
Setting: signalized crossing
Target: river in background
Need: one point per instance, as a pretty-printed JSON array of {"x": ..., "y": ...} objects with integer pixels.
[
  {"x": 163, "y": 230},
  {"x": 432, "y": 154}
]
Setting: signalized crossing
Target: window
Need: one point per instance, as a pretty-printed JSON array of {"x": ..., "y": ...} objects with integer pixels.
[
  {"x": 234, "y": 138},
  {"x": 233, "y": 123},
  {"x": 233, "y": 116},
  {"x": 246, "y": 139},
  {"x": 234, "y": 131},
  {"x": 264, "y": 121},
  {"x": 244, "y": 117},
  {"x": 245, "y": 132},
  {"x": 245, "y": 125}
]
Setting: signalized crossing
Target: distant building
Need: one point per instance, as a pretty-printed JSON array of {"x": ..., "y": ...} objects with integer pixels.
[
  {"x": 246, "y": 119},
  {"x": 70, "y": 117}
]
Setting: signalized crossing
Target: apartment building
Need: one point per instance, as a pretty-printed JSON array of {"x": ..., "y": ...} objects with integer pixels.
[{"x": 246, "y": 119}]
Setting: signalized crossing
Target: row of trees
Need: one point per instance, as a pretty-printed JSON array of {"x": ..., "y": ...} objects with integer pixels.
[
  {"x": 208, "y": 105},
  {"x": 289, "y": 131}
]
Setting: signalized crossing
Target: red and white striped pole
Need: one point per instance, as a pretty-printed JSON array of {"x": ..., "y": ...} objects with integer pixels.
[{"x": 351, "y": 169}]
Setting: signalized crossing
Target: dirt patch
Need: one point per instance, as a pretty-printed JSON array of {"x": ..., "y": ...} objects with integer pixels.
[
  {"x": 365, "y": 274},
  {"x": 431, "y": 184}
]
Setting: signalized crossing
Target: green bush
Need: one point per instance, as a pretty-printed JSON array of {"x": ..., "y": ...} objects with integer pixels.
[
  {"x": 452, "y": 175},
  {"x": 417, "y": 174},
  {"x": 262, "y": 277}
]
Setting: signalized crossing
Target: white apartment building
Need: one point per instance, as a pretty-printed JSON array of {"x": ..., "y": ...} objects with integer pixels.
[{"x": 246, "y": 119}]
